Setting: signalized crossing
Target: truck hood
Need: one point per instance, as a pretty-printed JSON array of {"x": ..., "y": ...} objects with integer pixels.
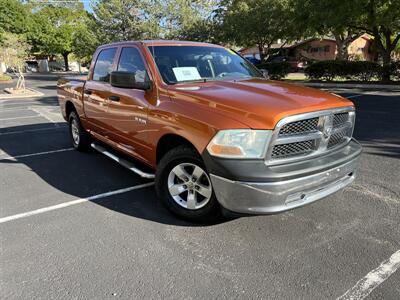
[{"x": 256, "y": 103}]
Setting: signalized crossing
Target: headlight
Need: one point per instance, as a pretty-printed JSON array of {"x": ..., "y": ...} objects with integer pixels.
[{"x": 240, "y": 143}]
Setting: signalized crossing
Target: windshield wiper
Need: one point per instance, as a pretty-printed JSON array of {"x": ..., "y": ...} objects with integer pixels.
[{"x": 193, "y": 80}]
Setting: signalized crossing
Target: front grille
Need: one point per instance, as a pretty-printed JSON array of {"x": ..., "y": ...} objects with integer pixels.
[
  {"x": 340, "y": 119},
  {"x": 310, "y": 134},
  {"x": 302, "y": 126},
  {"x": 338, "y": 138},
  {"x": 291, "y": 149}
]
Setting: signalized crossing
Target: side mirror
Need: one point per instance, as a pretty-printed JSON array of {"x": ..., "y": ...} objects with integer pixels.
[
  {"x": 265, "y": 73},
  {"x": 127, "y": 80}
]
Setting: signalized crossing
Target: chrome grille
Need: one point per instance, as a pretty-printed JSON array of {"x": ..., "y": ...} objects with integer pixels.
[
  {"x": 310, "y": 134},
  {"x": 338, "y": 138},
  {"x": 302, "y": 126},
  {"x": 340, "y": 119},
  {"x": 286, "y": 150}
]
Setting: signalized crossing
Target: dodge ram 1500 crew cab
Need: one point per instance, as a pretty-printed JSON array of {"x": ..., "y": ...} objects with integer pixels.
[{"x": 211, "y": 130}]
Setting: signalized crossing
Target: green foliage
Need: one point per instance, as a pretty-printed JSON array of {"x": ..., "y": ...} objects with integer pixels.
[
  {"x": 14, "y": 50},
  {"x": 120, "y": 20},
  {"x": 4, "y": 77},
  {"x": 14, "y": 17},
  {"x": 352, "y": 70},
  {"x": 393, "y": 69},
  {"x": 61, "y": 30},
  {"x": 276, "y": 70},
  {"x": 256, "y": 22},
  {"x": 187, "y": 19},
  {"x": 381, "y": 19},
  {"x": 327, "y": 17}
]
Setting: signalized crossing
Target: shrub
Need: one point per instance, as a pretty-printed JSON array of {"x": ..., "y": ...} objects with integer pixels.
[
  {"x": 276, "y": 70},
  {"x": 394, "y": 70},
  {"x": 4, "y": 77},
  {"x": 353, "y": 70}
]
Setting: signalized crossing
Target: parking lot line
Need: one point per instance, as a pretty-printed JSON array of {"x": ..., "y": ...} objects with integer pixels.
[
  {"x": 373, "y": 279},
  {"x": 33, "y": 130},
  {"x": 26, "y": 117},
  {"x": 16, "y": 108},
  {"x": 44, "y": 115},
  {"x": 35, "y": 154},
  {"x": 73, "y": 202}
]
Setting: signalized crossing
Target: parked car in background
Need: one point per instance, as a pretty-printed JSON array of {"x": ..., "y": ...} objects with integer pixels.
[
  {"x": 253, "y": 60},
  {"x": 213, "y": 132}
]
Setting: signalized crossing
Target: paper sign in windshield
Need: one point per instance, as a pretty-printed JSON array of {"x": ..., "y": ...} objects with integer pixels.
[{"x": 186, "y": 73}]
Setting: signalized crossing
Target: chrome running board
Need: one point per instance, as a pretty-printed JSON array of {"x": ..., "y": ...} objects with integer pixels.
[{"x": 122, "y": 161}]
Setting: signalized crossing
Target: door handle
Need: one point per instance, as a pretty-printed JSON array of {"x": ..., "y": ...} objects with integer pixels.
[
  {"x": 113, "y": 98},
  {"x": 87, "y": 92}
]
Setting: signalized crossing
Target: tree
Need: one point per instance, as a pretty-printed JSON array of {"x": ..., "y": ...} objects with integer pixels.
[
  {"x": 381, "y": 19},
  {"x": 84, "y": 42},
  {"x": 256, "y": 22},
  {"x": 13, "y": 52},
  {"x": 14, "y": 17},
  {"x": 327, "y": 17},
  {"x": 187, "y": 19},
  {"x": 55, "y": 27},
  {"x": 122, "y": 20}
]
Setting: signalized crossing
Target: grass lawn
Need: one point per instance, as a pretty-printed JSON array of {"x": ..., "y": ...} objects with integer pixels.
[
  {"x": 302, "y": 77},
  {"x": 296, "y": 76},
  {"x": 4, "y": 77}
]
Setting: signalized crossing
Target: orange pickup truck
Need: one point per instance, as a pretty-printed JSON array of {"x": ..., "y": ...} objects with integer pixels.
[{"x": 210, "y": 128}]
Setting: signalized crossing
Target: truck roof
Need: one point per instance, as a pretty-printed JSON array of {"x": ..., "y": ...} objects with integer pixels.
[{"x": 162, "y": 43}]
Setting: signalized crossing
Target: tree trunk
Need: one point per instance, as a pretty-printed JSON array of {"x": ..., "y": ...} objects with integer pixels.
[
  {"x": 342, "y": 52},
  {"x": 386, "y": 59},
  {"x": 261, "y": 50},
  {"x": 343, "y": 41},
  {"x": 65, "y": 56}
]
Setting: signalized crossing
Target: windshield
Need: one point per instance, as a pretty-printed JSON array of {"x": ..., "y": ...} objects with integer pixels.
[{"x": 200, "y": 63}]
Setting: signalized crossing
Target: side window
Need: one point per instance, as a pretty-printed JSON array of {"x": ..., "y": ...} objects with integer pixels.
[
  {"x": 131, "y": 61},
  {"x": 102, "y": 68}
]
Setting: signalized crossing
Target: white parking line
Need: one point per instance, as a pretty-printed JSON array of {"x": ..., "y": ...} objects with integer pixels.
[
  {"x": 14, "y": 109},
  {"x": 373, "y": 279},
  {"x": 73, "y": 202},
  {"x": 16, "y": 118},
  {"x": 35, "y": 154},
  {"x": 32, "y": 130},
  {"x": 44, "y": 114}
]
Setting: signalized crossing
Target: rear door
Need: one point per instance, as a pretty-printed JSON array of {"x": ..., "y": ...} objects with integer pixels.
[
  {"x": 98, "y": 89},
  {"x": 127, "y": 108}
]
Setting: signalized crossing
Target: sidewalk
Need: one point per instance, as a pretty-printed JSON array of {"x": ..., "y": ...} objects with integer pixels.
[{"x": 349, "y": 85}]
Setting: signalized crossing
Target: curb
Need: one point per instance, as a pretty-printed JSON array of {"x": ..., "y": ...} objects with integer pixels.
[
  {"x": 33, "y": 94},
  {"x": 350, "y": 85}
]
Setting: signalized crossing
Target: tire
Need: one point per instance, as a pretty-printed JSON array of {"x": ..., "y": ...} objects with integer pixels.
[
  {"x": 176, "y": 173},
  {"x": 80, "y": 138}
]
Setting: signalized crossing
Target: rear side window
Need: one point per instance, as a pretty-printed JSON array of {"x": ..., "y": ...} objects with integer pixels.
[
  {"x": 131, "y": 61},
  {"x": 103, "y": 66}
]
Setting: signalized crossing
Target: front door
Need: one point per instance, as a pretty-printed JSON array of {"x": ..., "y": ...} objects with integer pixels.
[{"x": 127, "y": 108}]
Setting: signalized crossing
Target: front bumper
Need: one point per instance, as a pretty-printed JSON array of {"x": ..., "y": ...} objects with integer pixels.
[{"x": 287, "y": 191}]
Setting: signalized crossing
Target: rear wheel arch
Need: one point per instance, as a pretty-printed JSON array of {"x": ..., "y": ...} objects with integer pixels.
[{"x": 69, "y": 107}]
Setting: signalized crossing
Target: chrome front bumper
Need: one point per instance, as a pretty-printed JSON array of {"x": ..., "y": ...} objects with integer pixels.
[{"x": 277, "y": 196}]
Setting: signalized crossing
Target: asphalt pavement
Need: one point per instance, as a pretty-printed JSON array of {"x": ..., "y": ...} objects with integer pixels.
[{"x": 79, "y": 226}]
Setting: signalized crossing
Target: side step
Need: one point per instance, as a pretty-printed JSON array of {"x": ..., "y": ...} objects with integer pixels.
[{"x": 122, "y": 162}]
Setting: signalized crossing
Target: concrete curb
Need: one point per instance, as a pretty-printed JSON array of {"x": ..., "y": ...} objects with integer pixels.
[
  {"x": 33, "y": 94},
  {"x": 350, "y": 85}
]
